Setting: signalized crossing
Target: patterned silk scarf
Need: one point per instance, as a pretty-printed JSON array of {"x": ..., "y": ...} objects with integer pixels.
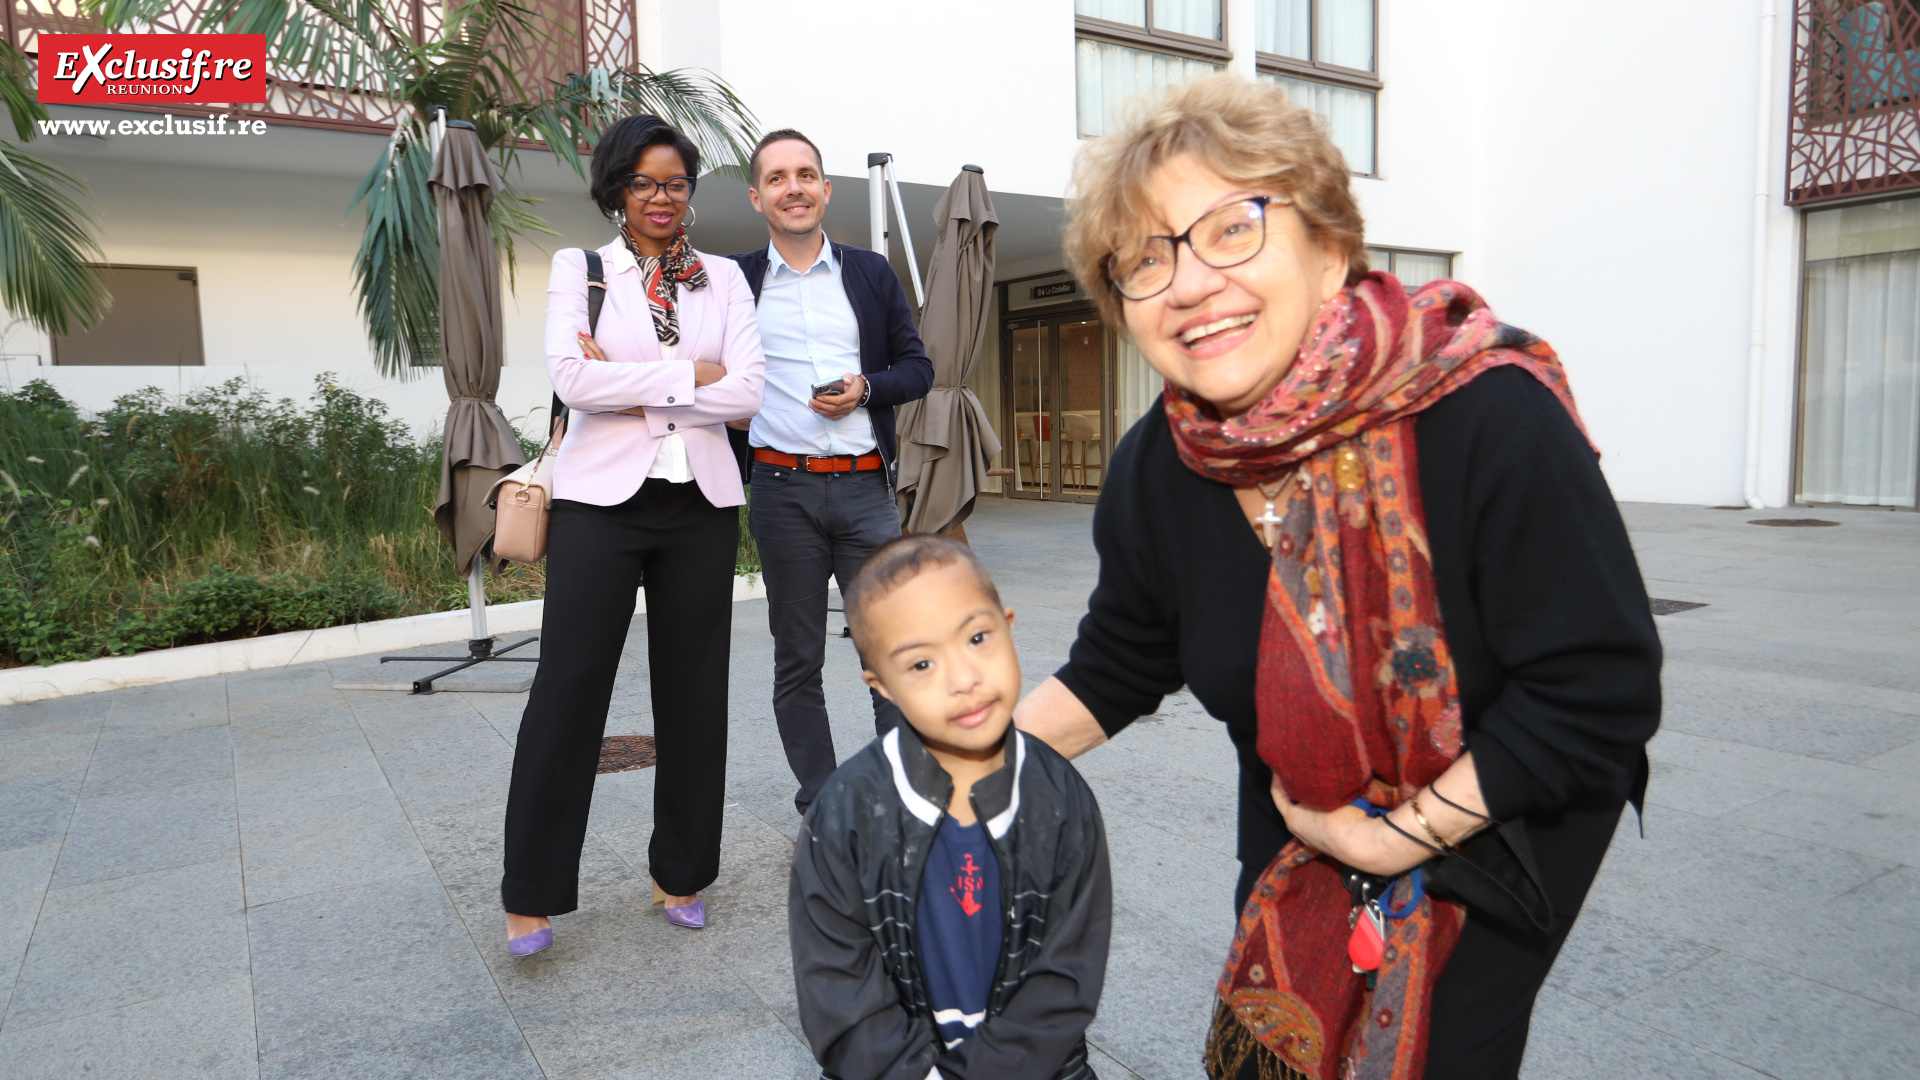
[
  {"x": 663, "y": 276},
  {"x": 1355, "y": 688}
]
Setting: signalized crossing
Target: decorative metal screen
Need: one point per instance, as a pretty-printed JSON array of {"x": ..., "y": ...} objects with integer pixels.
[
  {"x": 608, "y": 42},
  {"x": 1856, "y": 99}
]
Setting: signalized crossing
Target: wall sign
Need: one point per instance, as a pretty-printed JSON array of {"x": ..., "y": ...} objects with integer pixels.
[{"x": 152, "y": 69}]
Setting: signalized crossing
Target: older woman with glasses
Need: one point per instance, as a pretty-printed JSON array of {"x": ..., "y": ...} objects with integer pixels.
[
  {"x": 646, "y": 489},
  {"x": 1369, "y": 532}
]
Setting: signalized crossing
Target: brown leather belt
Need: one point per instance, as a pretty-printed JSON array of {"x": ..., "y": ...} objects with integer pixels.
[{"x": 837, "y": 464}]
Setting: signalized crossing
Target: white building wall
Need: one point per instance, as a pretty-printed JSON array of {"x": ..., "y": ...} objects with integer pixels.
[
  {"x": 1614, "y": 171},
  {"x": 274, "y": 250},
  {"x": 1597, "y": 180},
  {"x": 938, "y": 85}
]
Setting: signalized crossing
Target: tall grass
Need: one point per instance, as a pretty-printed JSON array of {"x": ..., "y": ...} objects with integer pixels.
[{"x": 165, "y": 521}]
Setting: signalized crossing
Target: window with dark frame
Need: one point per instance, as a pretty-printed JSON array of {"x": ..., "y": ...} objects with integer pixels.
[
  {"x": 1413, "y": 267},
  {"x": 154, "y": 321},
  {"x": 1327, "y": 55},
  {"x": 1129, "y": 48}
]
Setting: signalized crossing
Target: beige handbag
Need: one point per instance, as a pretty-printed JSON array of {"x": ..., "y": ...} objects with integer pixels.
[{"x": 521, "y": 501}]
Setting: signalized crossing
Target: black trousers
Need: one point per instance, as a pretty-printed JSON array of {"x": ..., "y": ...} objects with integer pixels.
[
  {"x": 809, "y": 526},
  {"x": 684, "y": 547}
]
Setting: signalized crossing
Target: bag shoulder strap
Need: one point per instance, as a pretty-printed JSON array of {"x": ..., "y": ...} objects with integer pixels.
[
  {"x": 596, "y": 295},
  {"x": 596, "y": 288}
]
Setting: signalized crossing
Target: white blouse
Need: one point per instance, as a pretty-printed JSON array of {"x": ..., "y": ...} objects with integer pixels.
[{"x": 670, "y": 464}]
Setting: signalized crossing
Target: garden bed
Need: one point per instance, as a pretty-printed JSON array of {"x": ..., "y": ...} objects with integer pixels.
[{"x": 218, "y": 516}]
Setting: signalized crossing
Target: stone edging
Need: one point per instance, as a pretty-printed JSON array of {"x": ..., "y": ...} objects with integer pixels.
[{"x": 23, "y": 684}]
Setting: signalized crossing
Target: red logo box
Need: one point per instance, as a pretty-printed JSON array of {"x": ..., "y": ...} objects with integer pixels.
[{"x": 153, "y": 69}]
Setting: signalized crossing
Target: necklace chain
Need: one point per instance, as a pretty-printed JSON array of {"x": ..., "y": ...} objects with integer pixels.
[{"x": 1270, "y": 521}]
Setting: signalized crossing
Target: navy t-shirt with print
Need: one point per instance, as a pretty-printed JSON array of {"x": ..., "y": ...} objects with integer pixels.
[{"x": 959, "y": 926}]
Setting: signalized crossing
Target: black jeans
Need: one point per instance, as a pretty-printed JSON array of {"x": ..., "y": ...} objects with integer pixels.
[
  {"x": 685, "y": 548},
  {"x": 810, "y": 526}
]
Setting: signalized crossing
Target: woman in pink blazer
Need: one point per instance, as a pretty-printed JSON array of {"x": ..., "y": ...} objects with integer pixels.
[{"x": 646, "y": 488}]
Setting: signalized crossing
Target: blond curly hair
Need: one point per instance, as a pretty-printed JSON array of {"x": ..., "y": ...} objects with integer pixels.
[{"x": 1248, "y": 132}]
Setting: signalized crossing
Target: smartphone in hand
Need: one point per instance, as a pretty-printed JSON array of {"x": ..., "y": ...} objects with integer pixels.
[{"x": 830, "y": 388}]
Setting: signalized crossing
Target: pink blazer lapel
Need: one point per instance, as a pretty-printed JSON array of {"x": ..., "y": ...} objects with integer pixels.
[{"x": 699, "y": 322}]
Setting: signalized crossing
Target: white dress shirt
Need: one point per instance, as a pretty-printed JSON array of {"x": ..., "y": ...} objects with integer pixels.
[
  {"x": 670, "y": 463},
  {"x": 809, "y": 335}
]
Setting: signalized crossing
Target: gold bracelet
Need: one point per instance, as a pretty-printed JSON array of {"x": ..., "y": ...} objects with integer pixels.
[{"x": 1432, "y": 833}]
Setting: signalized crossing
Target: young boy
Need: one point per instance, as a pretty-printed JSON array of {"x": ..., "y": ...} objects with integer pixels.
[{"x": 950, "y": 901}]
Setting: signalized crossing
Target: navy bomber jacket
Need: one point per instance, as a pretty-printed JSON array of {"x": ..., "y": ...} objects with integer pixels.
[{"x": 855, "y": 890}]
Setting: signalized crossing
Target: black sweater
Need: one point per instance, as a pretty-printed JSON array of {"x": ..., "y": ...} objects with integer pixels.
[{"x": 1553, "y": 643}]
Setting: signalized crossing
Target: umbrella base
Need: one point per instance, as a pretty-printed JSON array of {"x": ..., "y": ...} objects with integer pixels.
[{"x": 479, "y": 651}]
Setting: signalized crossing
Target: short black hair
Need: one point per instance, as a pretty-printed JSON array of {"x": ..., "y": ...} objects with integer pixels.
[
  {"x": 622, "y": 145},
  {"x": 899, "y": 561},
  {"x": 782, "y": 135}
]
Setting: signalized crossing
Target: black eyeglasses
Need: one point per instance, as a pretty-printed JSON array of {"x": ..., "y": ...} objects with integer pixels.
[
  {"x": 1224, "y": 236},
  {"x": 679, "y": 188}
]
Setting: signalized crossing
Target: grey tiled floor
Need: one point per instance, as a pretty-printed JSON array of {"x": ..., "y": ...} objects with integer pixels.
[{"x": 260, "y": 876}]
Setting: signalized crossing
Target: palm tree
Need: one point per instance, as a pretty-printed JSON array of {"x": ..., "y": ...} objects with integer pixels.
[
  {"x": 47, "y": 242},
  {"x": 472, "y": 70}
]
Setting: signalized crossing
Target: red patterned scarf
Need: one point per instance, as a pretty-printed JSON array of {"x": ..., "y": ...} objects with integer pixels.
[
  {"x": 1355, "y": 687},
  {"x": 661, "y": 276}
]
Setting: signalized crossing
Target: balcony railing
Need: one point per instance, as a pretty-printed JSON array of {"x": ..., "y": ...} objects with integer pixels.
[
  {"x": 582, "y": 35},
  {"x": 1856, "y": 100}
]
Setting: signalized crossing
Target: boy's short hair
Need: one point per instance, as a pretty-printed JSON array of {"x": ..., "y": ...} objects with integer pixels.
[{"x": 898, "y": 561}]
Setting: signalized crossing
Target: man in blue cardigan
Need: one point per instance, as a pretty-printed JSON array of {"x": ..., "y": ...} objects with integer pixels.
[{"x": 841, "y": 354}]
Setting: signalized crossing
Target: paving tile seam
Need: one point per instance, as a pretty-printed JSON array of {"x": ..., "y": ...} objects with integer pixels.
[
  {"x": 730, "y": 1036},
  {"x": 1729, "y": 818},
  {"x": 240, "y": 845},
  {"x": 750, "y": 988},
  {"x": 1711, "y": 952},
  {"x": 472, "y": 941},
  {"x": 1131, "y": 1071},
  {"x": 13, "y": 988},
  {"x": 1755, "y": 1069},
  {"x": 150, "y": 790},
  {"x": 1756, "y": 960},
  {"x": 13, "y": 1029},
  {"x": 1177, "y": 838}
]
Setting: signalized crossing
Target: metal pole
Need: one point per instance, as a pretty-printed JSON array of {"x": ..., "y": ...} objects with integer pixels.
[
  {"x": 877, "y": 200},
  {"x": 906, "y": 237},
  {"x": 477, "y": 595}
]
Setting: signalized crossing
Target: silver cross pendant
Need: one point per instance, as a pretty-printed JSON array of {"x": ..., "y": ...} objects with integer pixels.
[{"x": 1270, "y": 523}]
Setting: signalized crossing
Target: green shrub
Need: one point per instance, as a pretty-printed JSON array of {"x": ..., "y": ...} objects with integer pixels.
[{"x": 170, "y": 521}]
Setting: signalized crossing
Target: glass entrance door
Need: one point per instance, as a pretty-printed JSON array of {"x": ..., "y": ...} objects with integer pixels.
[{"x": 1058, "y": 387}]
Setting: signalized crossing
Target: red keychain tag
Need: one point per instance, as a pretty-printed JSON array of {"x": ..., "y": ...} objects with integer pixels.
[{"x": 1367, "y": 945}]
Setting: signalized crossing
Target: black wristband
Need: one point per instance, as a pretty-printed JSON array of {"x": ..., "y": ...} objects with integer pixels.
[
  {"x": 1410, "y": 836},
  {"x": 1435, "y": 788}
]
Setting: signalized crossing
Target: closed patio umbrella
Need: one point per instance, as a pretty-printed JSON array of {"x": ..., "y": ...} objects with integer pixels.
[
  {"x": 946, "y": 441},
  {"x": 481, "y": 446}
]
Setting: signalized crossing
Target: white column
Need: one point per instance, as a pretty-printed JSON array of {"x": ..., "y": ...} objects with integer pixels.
[
  {"x": 649, "y": 32},
  {"x": 877, "y": 201},
  {"x": 1239, "y": 20}
]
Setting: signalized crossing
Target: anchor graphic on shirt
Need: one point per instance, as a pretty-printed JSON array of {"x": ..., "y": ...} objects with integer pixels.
[{"x": 966, "y": 885}]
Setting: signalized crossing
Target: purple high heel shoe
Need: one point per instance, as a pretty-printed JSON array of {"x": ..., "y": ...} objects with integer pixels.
[
  {"x": 692, "y": 916},
  {"x": 531, "y": 943}
]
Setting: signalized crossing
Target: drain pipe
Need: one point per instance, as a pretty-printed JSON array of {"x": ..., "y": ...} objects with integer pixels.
[{"x": 1762, "y": 206}]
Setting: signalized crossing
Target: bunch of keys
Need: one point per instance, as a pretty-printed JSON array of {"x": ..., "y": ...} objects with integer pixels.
[{"x": 1367, "y": 945}]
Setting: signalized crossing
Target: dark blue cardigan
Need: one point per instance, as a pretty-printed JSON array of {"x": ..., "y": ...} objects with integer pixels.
[{"x": 891, "y": 356}]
